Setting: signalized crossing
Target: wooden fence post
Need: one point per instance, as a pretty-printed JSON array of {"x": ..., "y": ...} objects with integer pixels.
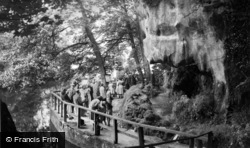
[
  {"x": 58, "y": 108},
  {"x": 65, "y": 113},
  {"x": 55, "y": 102},
  {"x": 199, "y": 143},
  {"x": 115, "y": 132},
  {"x": 97, "y": 127},
  {"x": 191, "y": 143},
  {"x": 79, "y": 118},
  {"x": 62, "y": 106},
  {"x": 141, "y": 136},
  {"x": 80, "y": 122},
  {"x": 210, "y": 140}
]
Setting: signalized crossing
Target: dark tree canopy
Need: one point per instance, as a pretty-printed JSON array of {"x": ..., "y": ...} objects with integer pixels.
[{"x": 17, "y": 14}]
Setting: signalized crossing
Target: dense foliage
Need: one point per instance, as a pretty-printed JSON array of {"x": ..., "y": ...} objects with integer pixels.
[{"x": 42, "y": 40}]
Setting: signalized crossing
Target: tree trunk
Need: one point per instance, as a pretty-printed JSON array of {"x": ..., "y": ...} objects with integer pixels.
[
  {"x": 135, "y": 52},
  {"x": 94, "y": 43},
  {"x": 146, "y": 64}
]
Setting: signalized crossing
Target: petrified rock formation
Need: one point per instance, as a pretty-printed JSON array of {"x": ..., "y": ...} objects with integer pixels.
[{"x": 188, "y": 37}]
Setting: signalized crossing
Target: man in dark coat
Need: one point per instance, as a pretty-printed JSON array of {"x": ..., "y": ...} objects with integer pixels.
[
  {"x": 132, "y": 80},
  {"x": 65, "y": 96}
]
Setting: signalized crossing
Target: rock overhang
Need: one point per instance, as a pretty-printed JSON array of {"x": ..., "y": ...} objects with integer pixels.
[{"x": 176, "y": 30}]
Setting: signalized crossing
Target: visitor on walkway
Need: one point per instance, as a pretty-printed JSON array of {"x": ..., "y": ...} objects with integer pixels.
[
  {"x": 132, "y": 80},
  {"x": 126, "y": 82},
  {"x": 96, "y": 91},
  {"x": 102, "y": 91},
  {"x": 76, "y": 100},
  {"x": 94, "y": 105},
  {"x": 116, "y": 87},
  {"x": 84, "y": 97},
  {"x": 71, "y": 92},
  {"x": 111, "y": 87},
  {"x": 66, "y": 98},
  {"x": 120, "y": 89},
  {"x": 109, "y": 105},
  {"x": 90, "y": 88},
  {"x": 83, "y": 100},
  {"x": 102, "y": 108}
]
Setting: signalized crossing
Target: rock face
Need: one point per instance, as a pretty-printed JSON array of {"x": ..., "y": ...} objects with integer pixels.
[
  {"x": 177, "y": 30},
  {"x": 137, "y": 107},
  {"x": 7, "y": 123},
  {"x": 189, "y": 37}
]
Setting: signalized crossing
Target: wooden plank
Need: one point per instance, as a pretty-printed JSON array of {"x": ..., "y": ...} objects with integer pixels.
[
  {"x": 115, "y": 131},
  {"x": 141, "y": 136},
  {"x": 191, "y": 143}
]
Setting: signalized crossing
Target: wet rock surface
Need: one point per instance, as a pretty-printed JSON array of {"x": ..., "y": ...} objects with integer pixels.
[{"x": 137, "y": 107}]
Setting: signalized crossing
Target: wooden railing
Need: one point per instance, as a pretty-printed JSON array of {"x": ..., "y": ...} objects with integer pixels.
[{"x": 60, "y": 106}]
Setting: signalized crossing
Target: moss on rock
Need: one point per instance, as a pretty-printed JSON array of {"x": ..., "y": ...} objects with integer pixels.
[{"x": 137, "y": 107}]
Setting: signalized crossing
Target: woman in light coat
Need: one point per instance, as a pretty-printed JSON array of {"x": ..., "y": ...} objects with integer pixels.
[{"x": 120, "y": 89}]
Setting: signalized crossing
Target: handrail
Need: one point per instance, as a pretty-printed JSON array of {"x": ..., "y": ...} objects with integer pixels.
[
  {"x": 162, "y": 129},
  {"x": 166, "y": 142}
]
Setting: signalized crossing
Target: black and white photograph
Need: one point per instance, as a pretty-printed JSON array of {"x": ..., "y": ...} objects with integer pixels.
[{"x": 125, "y": 73}]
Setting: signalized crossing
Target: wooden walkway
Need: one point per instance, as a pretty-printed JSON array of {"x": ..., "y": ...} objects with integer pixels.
[{"x": 123, "y": 137}]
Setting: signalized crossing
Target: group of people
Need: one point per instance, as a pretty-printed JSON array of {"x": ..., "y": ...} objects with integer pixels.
[
  {"x": 95, "y": 96},
  {"x": 87, "y": 96}
]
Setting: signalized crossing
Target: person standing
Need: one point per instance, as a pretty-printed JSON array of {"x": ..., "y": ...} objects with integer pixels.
[
  {"x": 71, "y": 92},
  {"x": 116, "y": 88},
  {"x": 120, "y": 89},
  {"x": 90, "y": 88},
  {"x": 111, "y": 88},
  {"x": 102, "y": 91},
  {"x": 96, "y": 92},
  {"x": 109, "y": 105},
  {"x": 66, "y": 98},
  {"x": 126, "y": 82},
  {"x": 84, "y": 97},
  {"x": 76, "y": 101},
  {"x": 132, "y": 80}
]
